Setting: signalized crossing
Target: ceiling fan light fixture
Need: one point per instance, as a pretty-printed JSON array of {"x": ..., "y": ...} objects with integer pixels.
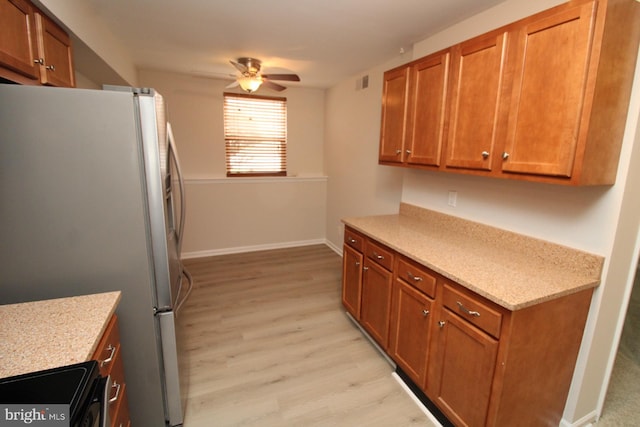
[{"x": 250, "y": 83}]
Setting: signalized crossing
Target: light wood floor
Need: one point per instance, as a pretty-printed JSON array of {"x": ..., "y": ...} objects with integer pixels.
[{"x": 268, "y": 344}]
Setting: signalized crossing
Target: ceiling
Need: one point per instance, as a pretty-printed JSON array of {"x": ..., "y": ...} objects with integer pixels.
[{"x": 324, "y": 42}]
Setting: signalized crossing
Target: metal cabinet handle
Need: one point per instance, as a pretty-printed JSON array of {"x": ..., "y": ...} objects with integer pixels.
[
  {"x": 414, "y": 278},
  {"x": 425, "y": 313},
  {"x": 357, "y": 262},
  {"x": 466, "y": 310},
  {"x": 408, "y": 151},
  {"x": 398, "y": 152},
  {"x": 375, "y": 254},
  {"x": 39, "y": 61},
  {"x": 352, "y": 240},
  {"x": 110, "y": 358},
  {"x": 50, "y": 67},
  {"x": 117, "y": 387},
  {"x": 365, "y": 268},
  {"x": 485, "y": 154},
  {"x": 505, "y": 155},
  {"x": 441, "y": 324}
]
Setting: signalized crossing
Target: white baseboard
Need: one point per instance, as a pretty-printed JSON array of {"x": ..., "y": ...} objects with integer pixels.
[
  {"x": 413, "y": 397},
  {"x": 265, "y": 247},
  {"x": 334, "y": 248}
]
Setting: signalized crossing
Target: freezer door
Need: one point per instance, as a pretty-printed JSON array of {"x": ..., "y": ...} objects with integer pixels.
[{"x": 175, "y": 401}]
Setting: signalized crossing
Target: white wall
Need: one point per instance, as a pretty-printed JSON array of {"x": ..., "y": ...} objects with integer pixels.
[
  {"x": 601, "y": 220},
  {"x": 357, "y": 184},
  {"x": 238, "y": 214}
]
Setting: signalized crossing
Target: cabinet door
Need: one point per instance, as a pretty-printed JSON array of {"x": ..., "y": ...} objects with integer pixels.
[
  {"x": 18, "y": 37},
  {"x": 394, "y": 109},
  {"x": 351, "y": 280},
  {"x": 428, "y": 89},
  {"x": 461, "y": 375},
  {"x": 546, "y": 114},
  {"x": 54, "y": 47},
  {"x": 376, "y": 301},
  {"x": 410, "y": 330},
  {"x": 477, "y": 80}
]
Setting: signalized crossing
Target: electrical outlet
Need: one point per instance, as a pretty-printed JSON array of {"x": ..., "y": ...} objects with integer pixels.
[{"x": 453, "y": 198}]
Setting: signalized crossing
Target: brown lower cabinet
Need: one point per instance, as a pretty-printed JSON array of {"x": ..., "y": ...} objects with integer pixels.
[
  {"x": 479, "y": 363},
  {"x": 109, "y": 357}
]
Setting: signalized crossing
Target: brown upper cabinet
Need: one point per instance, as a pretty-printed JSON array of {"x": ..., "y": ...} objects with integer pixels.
[
  {"x": 33, "y": 49},
  {"x": 54, "y": 51},
  {"x": 18, "y": 50},
  {"x": 477, "y": 83},
  {"x": 542, "y": 99},
  {"x": 394, "y": 113}
]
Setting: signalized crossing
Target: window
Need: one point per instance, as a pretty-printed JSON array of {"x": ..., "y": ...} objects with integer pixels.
[{"x": 255, "y": 134}]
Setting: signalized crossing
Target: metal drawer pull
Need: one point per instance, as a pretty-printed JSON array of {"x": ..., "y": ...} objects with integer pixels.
[
  {"x": 110, "y": 358},
  {"x": 365, "y": 268},
  {"x": 414, "y": 278},
  {"x": 441, "y": 324},
  {"x": 425, "y": 313},
  {"x": 466, "y": 310},
  {"x": 351, "y": 240},
  {"x": 117, "y": 387},
  {"x": 357, "y": 262},
  {"x": 378, "y": 256}
]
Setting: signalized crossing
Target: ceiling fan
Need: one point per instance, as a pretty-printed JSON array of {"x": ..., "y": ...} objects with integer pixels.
[{"x": 251, "y": 78}]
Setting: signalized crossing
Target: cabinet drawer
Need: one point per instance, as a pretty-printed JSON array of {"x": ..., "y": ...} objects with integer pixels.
[
  {"x": 354, "y": 239},
  {"x": 118, "y": 407},
  {"x": 109, "y": 345},
  {"x": 469, "y": 307},
  {"x": 417, "y": 276},
  {"x": 380, "y": 255}
]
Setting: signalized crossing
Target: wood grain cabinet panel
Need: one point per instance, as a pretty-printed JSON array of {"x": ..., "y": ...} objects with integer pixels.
[
  {"x": 54, "y": 48},
  {"x": 478, "y": 68},
  {"x": 18, "y": 48},
  {"x": 410, "y": 330},
  {"x": 461, "y": 374},
  {"x": 352, "y": 263},
  {"x": 376, "y": 301},
  {"x": 426, "y": 113},
  {"x": 548, "y": 98},
  {"x": 394, "y": 115}
]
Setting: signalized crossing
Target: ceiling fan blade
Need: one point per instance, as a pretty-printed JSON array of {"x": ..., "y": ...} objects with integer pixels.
[
  {"x": 271, "y": 85},
  {"x": 287, "y": 77},
  {"x": 232, "y": 85},
  {"x": 240, "y": 67}
]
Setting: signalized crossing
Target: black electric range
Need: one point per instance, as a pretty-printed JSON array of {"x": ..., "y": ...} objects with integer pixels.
[{"x": 73, "y": 395}]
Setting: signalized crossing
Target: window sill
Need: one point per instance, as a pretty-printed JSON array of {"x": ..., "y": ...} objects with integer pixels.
[{"x": 257, "y": 180}]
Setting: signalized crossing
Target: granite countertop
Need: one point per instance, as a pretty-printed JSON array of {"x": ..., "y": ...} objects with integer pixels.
[
  {"x": 510, "y": 269},
  {"x": 46, "y": 334}
]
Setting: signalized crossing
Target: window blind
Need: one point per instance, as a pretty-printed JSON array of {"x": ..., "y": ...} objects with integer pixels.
[{"x": 255, "y": 133}]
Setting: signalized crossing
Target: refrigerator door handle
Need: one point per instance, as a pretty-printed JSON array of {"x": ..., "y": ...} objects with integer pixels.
[{"x": 173, "y": 153}]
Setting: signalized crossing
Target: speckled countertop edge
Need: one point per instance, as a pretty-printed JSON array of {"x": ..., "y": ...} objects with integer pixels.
[
  {"x": 510, "y": 269},
  {"x": 47, "y": 334}
]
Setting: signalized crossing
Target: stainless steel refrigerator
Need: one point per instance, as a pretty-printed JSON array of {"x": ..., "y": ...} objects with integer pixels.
[{"x": 89, "y": 203}]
